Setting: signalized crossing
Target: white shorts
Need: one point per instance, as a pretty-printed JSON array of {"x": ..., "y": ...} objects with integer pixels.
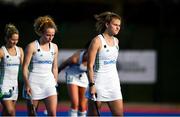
[
  {"x": 107, "y": 87},
  {"x": 40, "y": 92},
  {"x": 6, "y": 89},
  {"x": 77, "y": 79},
  {"x": 100, "y": 96},
  {"x": 42, "y": 85}
]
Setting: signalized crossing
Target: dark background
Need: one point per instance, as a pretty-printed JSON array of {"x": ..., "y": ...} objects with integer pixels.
[{"x": 146, "y": 25}]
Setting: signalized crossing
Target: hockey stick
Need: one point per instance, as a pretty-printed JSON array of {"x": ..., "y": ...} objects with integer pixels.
[
  {"x": 32, "y": 107},
  {"x": 95, "y": 103}
]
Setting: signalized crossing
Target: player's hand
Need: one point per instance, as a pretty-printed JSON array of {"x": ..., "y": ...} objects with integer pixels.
[
  {"x": 28, "y": 90},
  {"x": 92, "y": 90}
]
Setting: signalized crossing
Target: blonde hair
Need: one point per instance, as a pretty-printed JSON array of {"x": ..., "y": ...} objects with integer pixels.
[
  {"x": 10, "y": 29},
  {"x": 103, "y": 18},
  {"x": 43, "y": 22}
]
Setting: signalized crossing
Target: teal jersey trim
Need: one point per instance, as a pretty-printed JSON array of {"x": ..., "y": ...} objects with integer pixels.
[{"x": 97, "y": 65}]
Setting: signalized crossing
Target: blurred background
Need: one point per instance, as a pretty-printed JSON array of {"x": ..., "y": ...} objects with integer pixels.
[{"x": 147, "y": 25}]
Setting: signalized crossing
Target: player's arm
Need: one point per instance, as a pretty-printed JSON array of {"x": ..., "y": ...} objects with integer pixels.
[
  {"x": 71, "y": 60},
  {"x": 92, "y": 51},
  {"x": 1, "y": 54},
  {"x": 21, "y": 55},
  {"x": 55, "y": 63},
  {"x": 27, "y": 58}
]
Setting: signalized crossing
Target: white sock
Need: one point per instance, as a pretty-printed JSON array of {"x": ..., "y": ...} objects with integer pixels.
[
  {"x": 73, "y": 113},
  {"x": 82, "y": 114}
]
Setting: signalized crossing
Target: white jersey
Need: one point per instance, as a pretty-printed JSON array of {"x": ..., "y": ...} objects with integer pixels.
[
  {"x": 41, "y": 77},
  {"x": 76, "y": 73},
  {"x": 106, "y": 78},
  {"x": 9, "y": 73}
]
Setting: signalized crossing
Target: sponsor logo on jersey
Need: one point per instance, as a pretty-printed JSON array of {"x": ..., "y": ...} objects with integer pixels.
[
  {"x": 44, "y": 62},
  {"x": 110, "y": 62}
]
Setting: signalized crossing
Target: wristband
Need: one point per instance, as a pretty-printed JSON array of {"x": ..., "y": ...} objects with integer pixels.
[{"x": 91, "y": 84}]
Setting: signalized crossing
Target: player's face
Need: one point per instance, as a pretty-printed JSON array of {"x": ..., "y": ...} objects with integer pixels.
[
  {"x": 13, "y": 40},
  {"x": 48, "y": 34},
  {"x": 114, "y": 26}
]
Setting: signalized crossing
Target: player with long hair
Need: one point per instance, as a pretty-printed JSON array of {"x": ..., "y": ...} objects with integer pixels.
[
  {"x": 104, "y": 84},
  {"x": 40, "y": 67},
  {"x": 11, "y": 58}
]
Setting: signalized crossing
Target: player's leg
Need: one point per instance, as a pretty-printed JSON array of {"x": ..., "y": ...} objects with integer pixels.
[
  {"x": 82, "y": 102},
  {"x": 51, "y": 105},
  {"x": 116, "y": 107},
  {"x": 74, "y": 99},
  {"x": 8, "y": 108}
]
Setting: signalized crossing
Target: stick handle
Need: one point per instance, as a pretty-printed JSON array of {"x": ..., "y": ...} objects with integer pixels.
[
  {"x": 94, "y": 98},
  {"x": 33, "y": 109}
]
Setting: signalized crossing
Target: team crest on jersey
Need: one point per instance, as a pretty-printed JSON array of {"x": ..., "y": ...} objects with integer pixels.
[{"x": 9, "y": 59}]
